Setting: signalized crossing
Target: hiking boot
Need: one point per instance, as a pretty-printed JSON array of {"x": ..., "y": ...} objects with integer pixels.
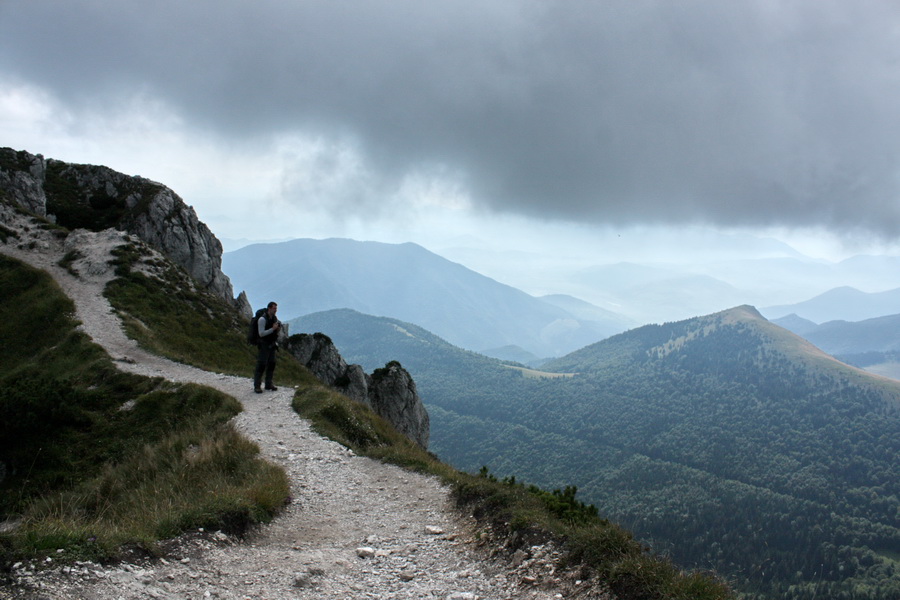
[
  {"x": 257, "y": 390},
  {"x": 271, "y": 388}
]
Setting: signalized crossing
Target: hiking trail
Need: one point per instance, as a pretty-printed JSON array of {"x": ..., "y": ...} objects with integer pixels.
[{"x": 355, "y": 527}]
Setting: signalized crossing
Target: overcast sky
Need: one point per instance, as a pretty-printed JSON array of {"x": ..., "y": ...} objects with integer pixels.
[{"x": 433, "y": 121}]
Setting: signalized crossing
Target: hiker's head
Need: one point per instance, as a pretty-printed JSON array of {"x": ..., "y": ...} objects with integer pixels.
[{"x": 272, "y": 308}]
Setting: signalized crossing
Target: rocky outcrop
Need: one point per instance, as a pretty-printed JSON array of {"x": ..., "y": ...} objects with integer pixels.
[
  {"x": 22, "y": 180},
  {"x": 320, "y": 356},
  {"x": 172, "y": 227},
  {"x": 97, "y": 198},
  {"x": 390, "y": 391},
  {"x": 393, "y": 395},
  {"x": 243, "y": 304}
]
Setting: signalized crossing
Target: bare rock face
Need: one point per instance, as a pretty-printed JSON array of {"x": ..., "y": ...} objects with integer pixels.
[
  {"x": 243, "y": 304},
  {"x": 355, "y": 384},
  {"x": 97, "y": 198},
  {"x": 320, "y": 356},
  {"x": 390, "y": 391},
  {"x": 393, "y": 395},
  {"x": 171, "y": 226},
  {"x": 21, "y": 180}
]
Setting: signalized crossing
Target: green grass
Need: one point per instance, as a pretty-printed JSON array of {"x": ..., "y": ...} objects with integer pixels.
[
  {"x": 79, "y": 205},
  {"x": 67, "y": 261},
  {"x": 536, "y": 374},
  {"x": 95, "y": 458},
  {"x": 193, "y": 478},
  {"x": 512, "y": 511},
  {"x": 167, "y": 315}
]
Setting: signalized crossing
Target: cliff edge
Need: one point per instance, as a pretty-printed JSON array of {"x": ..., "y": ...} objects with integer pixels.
[{"x": 96, "y": 198}]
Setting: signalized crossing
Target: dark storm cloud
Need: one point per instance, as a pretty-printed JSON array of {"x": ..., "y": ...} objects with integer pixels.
[{"x": 733, "y": 113}]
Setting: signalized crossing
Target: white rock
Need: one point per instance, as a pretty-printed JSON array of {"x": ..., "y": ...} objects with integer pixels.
[
  {"x": 462, "y": 596},
  {"x": 365, "y": 552}
]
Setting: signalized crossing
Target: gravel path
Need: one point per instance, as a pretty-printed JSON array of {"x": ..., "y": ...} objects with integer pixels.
[{"x": 356, "y": 528}]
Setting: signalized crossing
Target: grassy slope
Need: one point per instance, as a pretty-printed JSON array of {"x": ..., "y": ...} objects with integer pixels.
[{"x": 96, "y": 458}]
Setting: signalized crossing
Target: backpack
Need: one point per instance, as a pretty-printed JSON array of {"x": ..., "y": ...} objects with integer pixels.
[{"x": 253, "y": 333}]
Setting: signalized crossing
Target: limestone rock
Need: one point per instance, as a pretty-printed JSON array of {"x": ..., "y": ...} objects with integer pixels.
[
  {"x": 172, "y": 227},
  {"x": 390, "y": 391},
  {"x": 243, "y": 305},
  {"x": 356, "y": 384},
  {"x": 97, "y": 198},
  {"x": 393, "y": 395},
  {"x": 320, "y": 356},
  {"x": 22, "y": 180}
]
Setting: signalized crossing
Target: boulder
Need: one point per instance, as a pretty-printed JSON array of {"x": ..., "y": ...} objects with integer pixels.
[
  {"x": 320, "y": 356},
  {"x": 355, "y": 384},
  {"x": 390, "y": 392},
  {"x": 393, "y": 395}
]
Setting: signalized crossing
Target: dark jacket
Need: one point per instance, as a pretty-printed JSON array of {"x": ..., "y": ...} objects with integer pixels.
[{"x": 271, "y": 339}]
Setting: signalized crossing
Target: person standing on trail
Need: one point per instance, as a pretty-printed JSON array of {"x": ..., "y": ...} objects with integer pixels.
[{"x": 268, "y": 327}]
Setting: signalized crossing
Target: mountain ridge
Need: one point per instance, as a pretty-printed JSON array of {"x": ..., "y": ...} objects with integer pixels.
[
  {"x": 844, "y": 303},
  {"x": 408, "y": 282}
]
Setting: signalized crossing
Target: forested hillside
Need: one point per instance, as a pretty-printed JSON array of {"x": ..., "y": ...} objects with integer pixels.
[{"x": 727, "y": 441}]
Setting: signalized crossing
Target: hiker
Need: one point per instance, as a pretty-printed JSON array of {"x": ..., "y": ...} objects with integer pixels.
[{"x": 268, "y": 327}]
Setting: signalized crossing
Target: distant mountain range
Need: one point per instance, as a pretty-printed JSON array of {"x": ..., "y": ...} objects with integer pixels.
[
  {"x": 842, "y": 303},
  {"x": 639, "y": 293},
  {"x": 645, "y": 293},
  {"x": 699, "y": 276},
  {"x": 730, "y": 442},
  {"x": 881, "y": 334},
  {"x": 873, "y": 344},
  {"x": 407, "y": 282}
]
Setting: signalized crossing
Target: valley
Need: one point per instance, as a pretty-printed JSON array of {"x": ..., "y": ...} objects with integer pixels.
[{"x": 725, "y": 441}]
